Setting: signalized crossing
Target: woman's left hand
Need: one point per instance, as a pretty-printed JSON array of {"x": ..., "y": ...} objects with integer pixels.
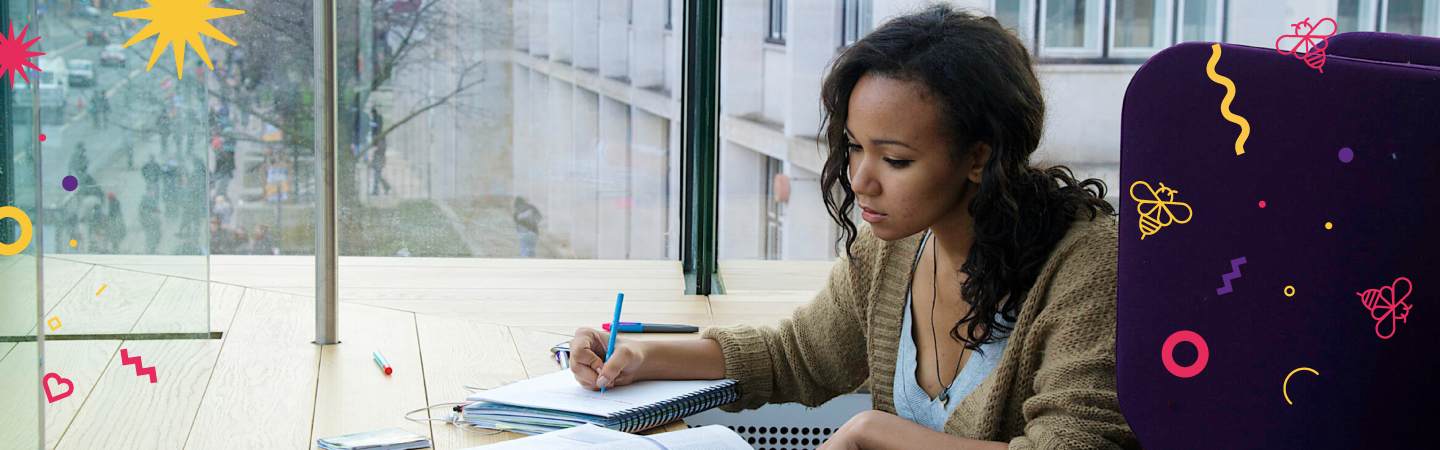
[
  {"x": 880, "y": 430},
  {"x": 857, "y": 431}
]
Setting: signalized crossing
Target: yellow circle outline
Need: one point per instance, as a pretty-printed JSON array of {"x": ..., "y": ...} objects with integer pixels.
[
  {"x": 1289, "y": 291},
  {"x": 27, "y": 231},
  {"x": 1285, "y": 387}
]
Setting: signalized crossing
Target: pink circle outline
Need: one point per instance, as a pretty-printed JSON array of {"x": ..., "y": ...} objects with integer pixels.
[{"x": 1168, "y": 358}]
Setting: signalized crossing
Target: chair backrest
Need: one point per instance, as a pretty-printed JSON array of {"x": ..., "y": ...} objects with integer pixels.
[{"x": 1278, "y": 224}]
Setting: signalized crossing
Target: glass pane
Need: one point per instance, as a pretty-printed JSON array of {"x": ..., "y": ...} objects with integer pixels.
[
  {"x": 1405, "y": 16},
  {"x": 1348, "y": 17},
  {"x": 126, "y": 178},
  {"x": 1136, "y": 23},
  {"x": 1199, "y": 21},
  {"x": 1008, "y": 13},
  {"x": 467, "y": 140},
  {"x": 20, "y": 365},
  {"x": 1065, "y": 23},
  {"x": 866, "y": 21}
]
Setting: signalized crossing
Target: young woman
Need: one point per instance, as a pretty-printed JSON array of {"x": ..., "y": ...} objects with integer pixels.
[{"x": 978, "y": 300}]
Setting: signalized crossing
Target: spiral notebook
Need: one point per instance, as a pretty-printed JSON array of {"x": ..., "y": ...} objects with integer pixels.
[{"x": 556, "y": 401}]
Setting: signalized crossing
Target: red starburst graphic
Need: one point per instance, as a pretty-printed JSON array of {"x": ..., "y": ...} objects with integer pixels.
[{"x": 15, "y": 53}]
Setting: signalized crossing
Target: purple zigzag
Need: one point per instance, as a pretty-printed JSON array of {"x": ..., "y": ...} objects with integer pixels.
[
  {"x": 140, "y": 369},
  {"x": 1234, "y": 273}
]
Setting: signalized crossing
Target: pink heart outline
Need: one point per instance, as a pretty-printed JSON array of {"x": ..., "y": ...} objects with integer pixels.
[{"x": 70, "y": 387}]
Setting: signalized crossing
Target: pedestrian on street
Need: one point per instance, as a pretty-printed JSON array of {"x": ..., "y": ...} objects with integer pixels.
[
  {"x": 163, "y": 125},
  {"x": 170, "y": 186},
  {"x": 99, "y": 109},
  {"x": 377, "y": 157},
  {"x": 150, "y": 220},
  {"x": 115, "y": 231},
  {"x": 527, "y": 226},
  {"x": 151, "y": 172},
  {"x": 223, "y": 210},
  {"x": 80, "y": 160}
]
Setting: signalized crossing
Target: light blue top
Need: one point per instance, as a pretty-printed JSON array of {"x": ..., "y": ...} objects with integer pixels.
[{"x": 911, "y": 401}]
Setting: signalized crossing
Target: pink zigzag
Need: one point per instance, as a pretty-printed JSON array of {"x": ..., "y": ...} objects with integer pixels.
[
  {"x": 1234, "y": 273},
  {"x": 140, "y": 369}
]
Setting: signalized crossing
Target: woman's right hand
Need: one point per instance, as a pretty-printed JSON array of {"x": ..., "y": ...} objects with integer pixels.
[{"x": 587, "y": 360}]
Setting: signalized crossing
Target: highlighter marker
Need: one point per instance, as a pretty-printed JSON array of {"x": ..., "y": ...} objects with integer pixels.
[
  {"x": 380, "y": 361},
  {"x": 637, "y": 327}
]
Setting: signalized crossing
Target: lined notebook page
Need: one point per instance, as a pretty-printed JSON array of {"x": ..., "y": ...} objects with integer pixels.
[{"x": 560, "y": 391}]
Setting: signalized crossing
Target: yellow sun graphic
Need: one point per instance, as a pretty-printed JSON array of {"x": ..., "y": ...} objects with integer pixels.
[{"x": 179, "y": 22}]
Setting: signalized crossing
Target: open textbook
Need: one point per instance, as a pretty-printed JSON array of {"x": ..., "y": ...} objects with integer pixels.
[{"x": 591, "y": 437}]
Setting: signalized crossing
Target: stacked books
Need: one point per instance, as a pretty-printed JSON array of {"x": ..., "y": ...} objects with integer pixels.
[
  {"x": 556, "y": 402},
  {"x": 387, "y": 439}
]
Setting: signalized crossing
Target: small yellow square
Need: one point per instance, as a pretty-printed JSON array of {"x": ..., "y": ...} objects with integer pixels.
[{"x": 54, "y": 323}]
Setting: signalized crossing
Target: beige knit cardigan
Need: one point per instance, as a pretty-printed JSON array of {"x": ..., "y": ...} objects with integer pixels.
[{"x": 1054, "y": 386}]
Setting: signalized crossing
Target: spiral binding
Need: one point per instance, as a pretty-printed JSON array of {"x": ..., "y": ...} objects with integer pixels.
[{"x": 649, "y": 416}]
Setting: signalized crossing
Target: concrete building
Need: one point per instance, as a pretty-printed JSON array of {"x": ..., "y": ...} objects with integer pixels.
[{"x": 596, "y": 103}]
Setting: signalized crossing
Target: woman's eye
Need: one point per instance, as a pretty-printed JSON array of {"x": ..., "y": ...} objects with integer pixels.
[
  {"x": 898, "y": 163},
  {"x": 852, "y": 147}
]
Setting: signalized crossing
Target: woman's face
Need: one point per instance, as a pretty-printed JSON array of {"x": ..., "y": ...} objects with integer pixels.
[{"x": 900, "y": 166}]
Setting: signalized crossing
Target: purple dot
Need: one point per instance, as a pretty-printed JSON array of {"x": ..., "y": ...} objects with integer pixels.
[
  {"x": 70, "y": 183},
  {"x": 1347, "y": 155}
]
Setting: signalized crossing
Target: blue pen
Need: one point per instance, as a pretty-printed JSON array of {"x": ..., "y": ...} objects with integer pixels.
[{"x": 610, "y": 349}]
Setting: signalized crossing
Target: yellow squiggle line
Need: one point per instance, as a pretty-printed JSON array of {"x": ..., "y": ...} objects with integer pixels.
[{"x": 1229, "y": 96}]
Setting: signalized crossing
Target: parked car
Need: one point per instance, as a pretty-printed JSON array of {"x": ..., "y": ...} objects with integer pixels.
[
  {"x": 52, "y": 86},
  {"x": 87, "y": 11},
  {"x": 97, "y": 36},
  {"x": 113, "y": 55},
  {"x": 82, "y": 72}
]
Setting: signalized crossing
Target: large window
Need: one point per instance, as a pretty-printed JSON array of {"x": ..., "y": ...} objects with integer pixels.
[{"x": 463, "y": 140}]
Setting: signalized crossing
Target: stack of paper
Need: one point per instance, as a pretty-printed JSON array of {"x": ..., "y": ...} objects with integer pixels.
[
  {"x": 387, "y": 439},
  {"x": 590, "y": 437}
]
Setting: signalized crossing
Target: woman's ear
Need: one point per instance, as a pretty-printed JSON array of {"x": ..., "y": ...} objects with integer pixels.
[{"x": 980, "y": 155}]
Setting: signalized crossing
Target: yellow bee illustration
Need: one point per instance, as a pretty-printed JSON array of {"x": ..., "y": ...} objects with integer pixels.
[{"x": 1155, "y": 211}]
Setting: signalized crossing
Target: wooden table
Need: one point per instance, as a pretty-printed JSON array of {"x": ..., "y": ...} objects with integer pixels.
[{"x": 442, "y": 323}]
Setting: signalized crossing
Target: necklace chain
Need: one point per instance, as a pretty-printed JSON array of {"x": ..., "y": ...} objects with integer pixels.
[{"x": 934, "y": 337}]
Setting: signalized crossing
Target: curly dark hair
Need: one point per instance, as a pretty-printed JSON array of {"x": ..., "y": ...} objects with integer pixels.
[{"x": 982, "y": 77}]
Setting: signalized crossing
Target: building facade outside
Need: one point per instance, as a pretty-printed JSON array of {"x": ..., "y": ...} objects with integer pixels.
[{"x": 596, "y": 99}]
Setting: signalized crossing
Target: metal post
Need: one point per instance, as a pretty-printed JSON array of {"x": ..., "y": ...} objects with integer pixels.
[
  {"x": 701, "y": 106},
  {"x": 326, "y": 248}
]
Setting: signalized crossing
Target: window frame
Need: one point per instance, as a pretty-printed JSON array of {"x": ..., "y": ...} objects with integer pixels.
[
  {"x": 1163, "y": 35},
  {"x": 1094, "y": 34},
  {"x": 1218, "y": 28},
  {"x": 1429, "y": 16},
  {"x": 1027, "y": 16},
  {"x": 775, "y": 17},
  {"x": 1031, "y": 29},
  {"x": 861, "y": 24}
]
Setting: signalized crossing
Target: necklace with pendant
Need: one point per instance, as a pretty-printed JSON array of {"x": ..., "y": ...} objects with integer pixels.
[{"x": 934, "y": 340}]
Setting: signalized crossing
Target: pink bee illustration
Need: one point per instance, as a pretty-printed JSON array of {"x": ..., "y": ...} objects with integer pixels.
[
  {"x": 1385, "y": 307},
  {"x": 1306, "y": 47}
]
